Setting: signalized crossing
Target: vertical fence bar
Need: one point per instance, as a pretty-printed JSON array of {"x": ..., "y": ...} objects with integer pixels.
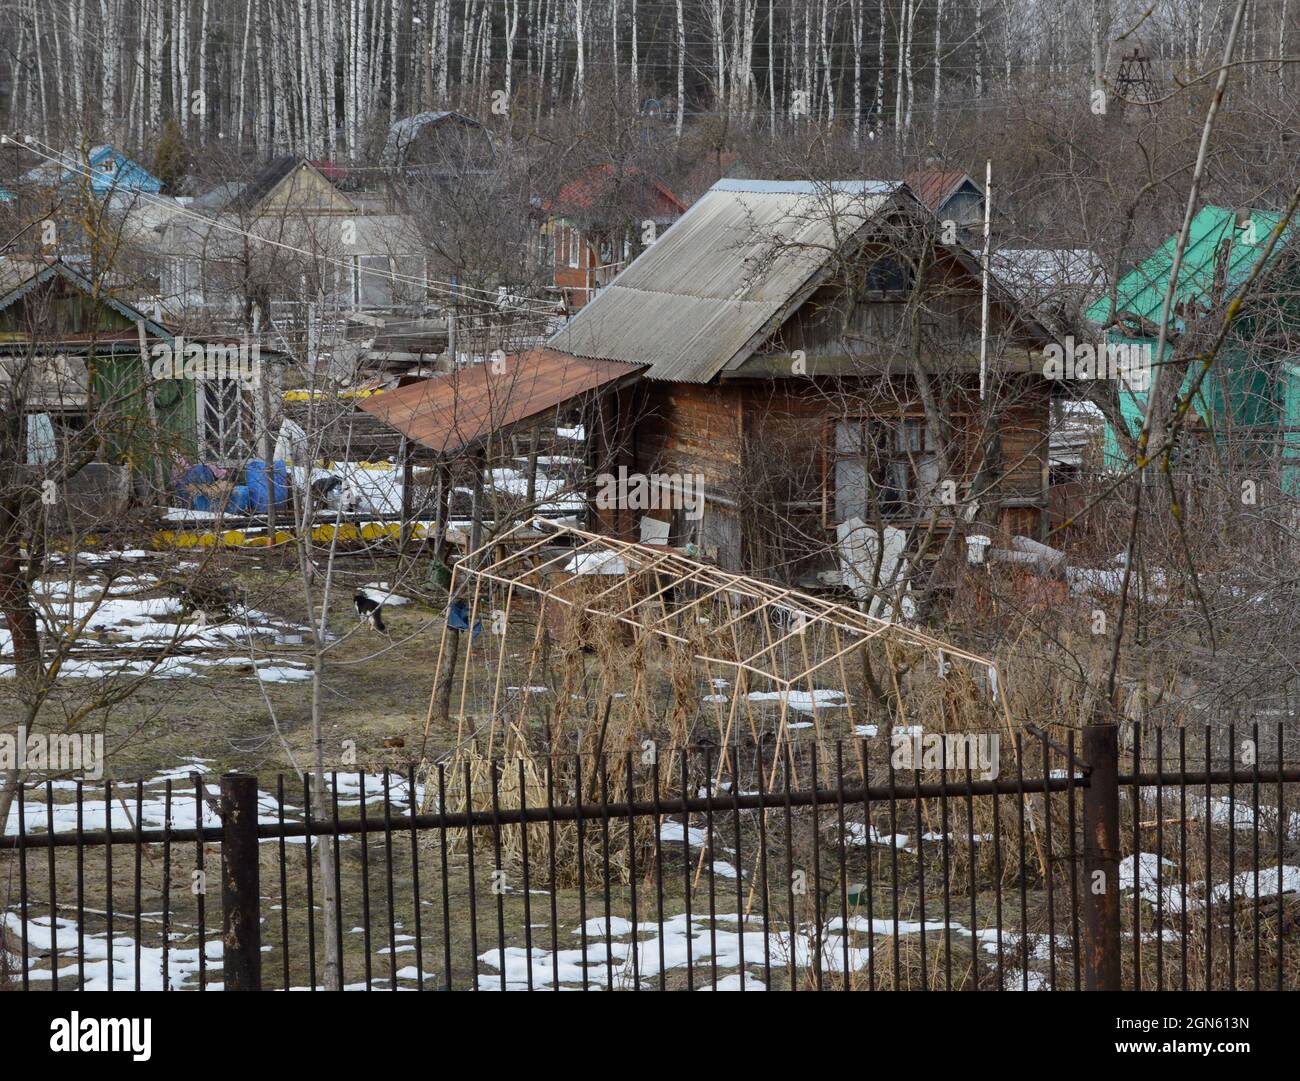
[
  {"x": 602, "y": 765},
  {"x": 54, "y": 903},
  {"x": 1135, "y": 796},
  {"x": 240, "y": 885},
  {"x": 1101, "y": 858},
  {"x": 498, "y": 872},
  {"x": 201, "y": 887},
  {"x": 864, "y": 758},
  {"x": 108, "y": 883},
  {"x": 844, "y": 867},
  {"x": 580, "y": 829},
  {"x": 24, "y": 930},
  {"x": 817, "y": 876},
  {"x": 137, "y": 925},
  {"x": 389, "y": 899},
  {"x": 442, "y": 860},
  {"x": 1254, "y": 799},
  {"x": 1160, "y": 857},
  {"x": 630, "y": 796},
  {"x": 1232, "y": 858},
  {"x": 659, "y": 868},
  {"x": 284, "y": 883},
  {"x": 711, "y": 852},
  {"x": 685, "y": 771},
  {"x": 309, "y": 851},
  {"x": 81, "y": 890},
  {"x": 1281, "y": 836},
  {"x": 971, "y": 875},
  {"x": 1020, "y": 844},
  {"x": 413, "y": 805},
  {"x": 364, "y": 838},
  {"x": 473, "y": 886},
  {"x": 166, "y": 886},
  {"x": 1182, "y": 848},
  {"x": 764, "y": 904},
  {"x": 551, "y": 870},
  {"x": 1209, "y": 867},
  {"x": 1050, "y": 859},
  {"x": 789, "y": 879},
  {"x": 1074, "y": 863},
  {"x": 523, "y": 846}
]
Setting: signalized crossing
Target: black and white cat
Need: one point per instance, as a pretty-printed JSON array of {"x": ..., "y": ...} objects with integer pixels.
[{"x": 369, "y": 608}]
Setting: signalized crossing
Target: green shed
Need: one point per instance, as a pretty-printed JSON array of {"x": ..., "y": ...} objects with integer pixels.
[{"x": 1250, "y": 399}]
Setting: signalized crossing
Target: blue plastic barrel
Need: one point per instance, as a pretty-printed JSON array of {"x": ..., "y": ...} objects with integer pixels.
[
  {"x": 255, "y": 476},
  {"x": 239, "y": 501}
]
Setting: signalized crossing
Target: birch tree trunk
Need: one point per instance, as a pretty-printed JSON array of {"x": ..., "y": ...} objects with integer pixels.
[
  {"x": 681, "y": 68},
  {"x": 183, "y": 63},
  {"x": 203, "y": 68},
  {"x": 880, "y": 66},
  {"x": 771, "y": 65},
  {"x": 938, "y": 62}
]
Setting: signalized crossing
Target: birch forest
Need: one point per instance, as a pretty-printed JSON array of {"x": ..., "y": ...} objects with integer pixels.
[{"x": 321, "y": 77}]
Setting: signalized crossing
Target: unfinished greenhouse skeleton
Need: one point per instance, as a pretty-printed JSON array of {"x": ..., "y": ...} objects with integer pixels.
[{"x": 723, "y": 641}]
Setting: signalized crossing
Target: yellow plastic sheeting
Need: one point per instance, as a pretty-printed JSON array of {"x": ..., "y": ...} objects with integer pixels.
[{"x": 348, "y": 532}]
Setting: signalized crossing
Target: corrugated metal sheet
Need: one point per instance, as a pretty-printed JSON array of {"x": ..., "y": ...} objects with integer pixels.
[
  {"x": 1140, "y": 294},
  {"x": 453, "y": 411},
  {"x": 692, "y": 301}
]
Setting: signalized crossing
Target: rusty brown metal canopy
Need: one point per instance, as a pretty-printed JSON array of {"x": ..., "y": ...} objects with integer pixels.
[{"x": 453, "y": 411}]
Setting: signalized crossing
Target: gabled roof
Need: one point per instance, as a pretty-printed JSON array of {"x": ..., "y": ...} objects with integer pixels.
[
  {"x": 608, "y": 191},
  {"x": 235, "y": 197},
  {"x": 57, "y": 269},
  {"x": 121, "y": 174},
  {"x": 1140, "y": 293},
  {"x": 934, "y": 187},
  {"x": 456, "y": 410},
  {"x": 705, "y": 293},
  {"x": 404, "y": 132}
]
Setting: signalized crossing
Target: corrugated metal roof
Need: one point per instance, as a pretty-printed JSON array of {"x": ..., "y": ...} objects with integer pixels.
[
  {"x": 690, "y": 304},
  {"x": 453, "y": 411},
  {"x": 1140, "y": 293}
]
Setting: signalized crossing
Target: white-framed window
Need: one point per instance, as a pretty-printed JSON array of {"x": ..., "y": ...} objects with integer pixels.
[
  {"x": 883, "y": 465},
  {"x": 575, "y": 248}
]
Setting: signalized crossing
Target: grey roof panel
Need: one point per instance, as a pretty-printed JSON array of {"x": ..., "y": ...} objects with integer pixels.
[{"x": 690, "y": 303}]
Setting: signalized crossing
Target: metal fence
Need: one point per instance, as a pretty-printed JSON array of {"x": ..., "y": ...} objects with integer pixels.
[{"x": 697, "y": 869}]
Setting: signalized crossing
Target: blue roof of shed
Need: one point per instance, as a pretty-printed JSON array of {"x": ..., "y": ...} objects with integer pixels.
[{"x": 123, "y": 174}]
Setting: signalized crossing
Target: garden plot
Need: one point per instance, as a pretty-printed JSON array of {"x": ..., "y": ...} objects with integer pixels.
[
  {"x": 102, "y": 624},
  {"x": 152, "y": 809}
]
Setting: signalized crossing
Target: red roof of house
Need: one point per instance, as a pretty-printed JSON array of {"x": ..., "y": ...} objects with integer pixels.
[
  {"x": 610, "y": 187},
  {"x": 933, "y": 186},
  {"x": 453, "y": 411},
  {"x": 329, "y": 170}
]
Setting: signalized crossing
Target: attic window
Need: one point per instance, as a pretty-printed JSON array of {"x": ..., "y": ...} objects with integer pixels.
[
  {"x": 888, "y": 275},
  {"x": 106, "y": 166}
]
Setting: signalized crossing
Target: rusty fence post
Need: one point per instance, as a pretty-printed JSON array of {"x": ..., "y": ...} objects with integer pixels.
[
  {"x": 1101, "y": 859},
  {"x": 241, "y": 927}
]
